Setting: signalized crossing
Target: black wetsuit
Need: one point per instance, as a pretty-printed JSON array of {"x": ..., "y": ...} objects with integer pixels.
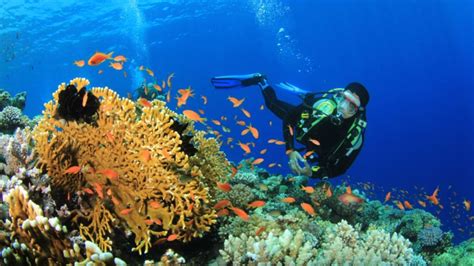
[{"x": 331, "y": 153}]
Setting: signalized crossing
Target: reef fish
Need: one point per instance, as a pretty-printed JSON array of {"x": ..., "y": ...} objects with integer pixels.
[
  {"x": 308, "y": 208},
  {"x": 348, "y": 198},
  {"x": 236, "y": 102},
  {"x": 241, "y": 213},
  {"x": 434, "y": 197},
  {"x": 98, "y": 58},
  {"x": 79, "y": 63},
  {"x": 257, "y": 203}
]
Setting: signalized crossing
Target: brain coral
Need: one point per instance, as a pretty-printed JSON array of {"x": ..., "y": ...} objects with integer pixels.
[{"x": 138, "y": 162}]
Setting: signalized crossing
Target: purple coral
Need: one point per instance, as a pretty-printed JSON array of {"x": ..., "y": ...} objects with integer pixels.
[{"x": 430, "y": 236}]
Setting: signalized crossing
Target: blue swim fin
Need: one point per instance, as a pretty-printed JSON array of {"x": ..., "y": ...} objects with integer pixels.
[{"x": 236, "y": 81}]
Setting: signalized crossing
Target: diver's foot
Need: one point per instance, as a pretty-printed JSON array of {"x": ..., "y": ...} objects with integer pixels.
[{"x": 256, "y": 79}]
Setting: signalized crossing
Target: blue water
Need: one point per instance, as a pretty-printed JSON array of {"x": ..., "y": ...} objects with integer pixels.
[{"x": 415, "y": 57}]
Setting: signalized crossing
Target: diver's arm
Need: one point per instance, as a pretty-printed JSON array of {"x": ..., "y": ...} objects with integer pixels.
[{"x": 340, "y": 165}]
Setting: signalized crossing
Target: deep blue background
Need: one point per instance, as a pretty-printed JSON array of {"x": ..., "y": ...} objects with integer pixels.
[{"x": 415, "y": 57}]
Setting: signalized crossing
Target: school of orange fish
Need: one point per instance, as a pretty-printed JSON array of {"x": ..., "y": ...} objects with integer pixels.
[{"x": 403, "y": 200}]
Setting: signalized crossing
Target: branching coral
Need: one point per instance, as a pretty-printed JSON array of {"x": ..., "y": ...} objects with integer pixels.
[
  {"x": 287, "y": 248},
  {"x": 16, "y": 150},
  {"x": 43, "y": 241},
  {"x": 135, "y": 161},
  {"x": 344, "y": 245}
]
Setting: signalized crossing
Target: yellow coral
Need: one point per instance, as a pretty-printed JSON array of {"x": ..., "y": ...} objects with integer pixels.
[{"x": 157, "y": 194}]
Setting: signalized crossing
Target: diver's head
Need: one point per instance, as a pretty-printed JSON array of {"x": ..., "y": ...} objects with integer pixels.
[
  {"x": 349, "y": 102},
  {"x": 352, "y": 100}
]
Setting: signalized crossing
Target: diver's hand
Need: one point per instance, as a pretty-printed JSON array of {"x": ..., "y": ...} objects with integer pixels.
[{"x": 295, "y": 167}]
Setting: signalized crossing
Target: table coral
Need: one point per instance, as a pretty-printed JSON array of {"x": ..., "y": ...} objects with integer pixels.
[{"x": 139, "y": 163}]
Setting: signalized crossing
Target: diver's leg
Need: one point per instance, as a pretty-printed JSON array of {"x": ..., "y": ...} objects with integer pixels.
[{"x": 278, "y": 107}]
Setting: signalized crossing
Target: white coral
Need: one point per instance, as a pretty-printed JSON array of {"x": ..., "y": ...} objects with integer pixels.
[
  {"x": 289, "y": 248},
  {"x": 343, "y": 245}
]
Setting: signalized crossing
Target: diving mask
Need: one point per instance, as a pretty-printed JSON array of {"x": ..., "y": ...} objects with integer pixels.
[{"x": 347, "y": 104}]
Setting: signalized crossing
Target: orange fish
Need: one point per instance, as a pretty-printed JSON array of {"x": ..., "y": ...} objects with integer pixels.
[
  {"x": 120, "y": 58},
  {"x": 291, "y": 130},
  {"x": 288, "y": 200},
  {"x": 155, "y": 204},
  {"x": 79, "y": 63},
  {"x": 98, "y": 188},
  {"x": 172, "y": 237},
  {"x": 407, "y": 204},
  {"x": 145, "y": 103},
  {"x": 193, "y": 116},
  {"x": 126, "y": 211},
  {"x": 150, "y": 72},
  {"x": 166, "y": 154},
  {"x": 226, "y": 187},
  {"x": 253, "y": 130},
  {"x": 308, "y": 189},
  {"x": 257, "y": 203},
  {"x": 115, "y": 201},
  {"x": 73, "y": 170},
  {"x": 204, "y": 99},
  {"x": 216, "y": 122},
  {"x": 221, "y": 204},
  {"x": 308, "y": 208},
  {"x": 116, "y": 65},
  {"x": 348, "y": 198},
  {"x": 98, "y": 58},
  {"x": 328, "y": 192},
  {"x": 157, "y": 87},
  {"x": 244, "y": 132},
  {"x": 279, "y": 142},
  {"x": 244, "y": 147},
  {"x": 223, "y": 212},
  {"x": 149, "y": 221},
  {"x": 145, "y": 155},
  {"x": 109, "y": 173},
  {"x": 110, "y": 137},
  {"x": 315, "y": 142},
  {"x": 168, "y": 81},
  {"x": 257, "y": 161},
  {"x": 236, "y": 102},
  {"x": 246, "y": 113},
  {"x": 263, "y": 151},
  {"x": 201, "y": 111},
  {"x": 241, "y": 213},
  {"x": 241, "y": 123},
  {"x": 467, "y": 204},
  {"x": 422, "y": 203},
  {"x": 84, "y": 99},
  {"x": 400, "y": 205},
  {"x": 260, "y": 230},
  {"x": 387, "y": 197},
  {"x": 307, "y": 154},
  {"x": 434, "y": 197},
  {"x": 88, "y": 190}
]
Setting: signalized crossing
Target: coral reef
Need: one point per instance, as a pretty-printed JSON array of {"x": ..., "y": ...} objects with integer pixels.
[
  {"x": 136, "y": 162},
  {"x": 287, "y": 248},
  {"x": 11, "y": 118},
  {"x": 344, "y": 244},
  {"x": 17, "y": 101},
  {"x": 34, "y": 238},
  {"x": 459, "y": 255},
  {"x": 16, "y": 151}
]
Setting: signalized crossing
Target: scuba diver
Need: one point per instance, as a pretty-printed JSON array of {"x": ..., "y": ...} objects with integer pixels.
[{"x": 330, "y": 124}]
